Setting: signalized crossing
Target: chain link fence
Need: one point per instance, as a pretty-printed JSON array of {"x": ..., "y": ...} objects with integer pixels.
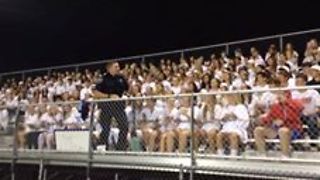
[{"x": 208, "y": 130}]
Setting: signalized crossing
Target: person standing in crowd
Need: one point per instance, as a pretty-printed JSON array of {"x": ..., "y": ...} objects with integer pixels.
[{"x": 113, "y": 85}]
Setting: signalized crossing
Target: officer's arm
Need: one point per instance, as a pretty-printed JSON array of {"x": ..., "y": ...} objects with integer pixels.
[
  {"x": 99, "y": 95},
  {"x": 98, "y": 91}
]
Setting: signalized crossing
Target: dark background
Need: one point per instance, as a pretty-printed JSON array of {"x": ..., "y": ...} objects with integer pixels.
[{"x": 40, "y": 33}]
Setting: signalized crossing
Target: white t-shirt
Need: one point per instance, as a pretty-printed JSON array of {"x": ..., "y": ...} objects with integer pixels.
[
  {"x": 310, "y": 99},
  {"x": 197, "y": 114},
  {"x": 85, "y": 91},
  {"x": 4, "y": 118},
  {"x": 51, "y": 122},
  {"x": 12, "y": 103},
  {"x": 32, "y": 121},
  {"x": 60, "y": 89},
  {"x": 70, "y": 87},
  {"x": 153, "y": 115},
  {"x": 176, "y": 89}
]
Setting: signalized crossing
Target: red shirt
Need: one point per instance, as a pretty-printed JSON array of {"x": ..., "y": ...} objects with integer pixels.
[{"x": 289, "y": 112}]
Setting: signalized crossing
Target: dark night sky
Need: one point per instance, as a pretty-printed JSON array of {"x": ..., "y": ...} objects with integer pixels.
[{"x": 37, "y": 33}]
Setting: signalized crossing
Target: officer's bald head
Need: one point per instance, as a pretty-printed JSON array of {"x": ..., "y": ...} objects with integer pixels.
[{"x": 113, "y": 67}]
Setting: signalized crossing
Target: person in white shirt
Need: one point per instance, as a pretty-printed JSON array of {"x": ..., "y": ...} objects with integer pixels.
[
  {"x": 50, "y": 121},
  {"x": 235, "y": 121},
  {"x": 32, "y": 124},
  {"x": 4, "y": 116},
  {"x": 168, "y": 126},
  {"x": 185, "y": 118},
  {"x": 311, "y": 102},
  {"x": 150, "y": 123},
  {"x": 70, "y": 86},
  {"x": 72, "y": 117},
  {"x": 258, "y": 104},
  {"x": 212, "y": 112},
  {"x": 272, "y": 52},
  {"x": 85, "y": 90},
  {"x": 256, "y": 57},
  {"x": 242, "y": 80},
  {"x": 176, "y": 85},
  {"x": 283, "y": 74},
  {"x": 60, "y": 88},
  {"x": 11, "y": 104}
]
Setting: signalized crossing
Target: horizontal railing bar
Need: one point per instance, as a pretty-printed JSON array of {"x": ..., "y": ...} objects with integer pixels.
[
  {"x": 244, "y": 91},
  {"x": 166, "y": 52}
]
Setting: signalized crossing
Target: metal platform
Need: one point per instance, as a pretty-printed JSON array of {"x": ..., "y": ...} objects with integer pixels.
[{"x": 205, "y": 164}]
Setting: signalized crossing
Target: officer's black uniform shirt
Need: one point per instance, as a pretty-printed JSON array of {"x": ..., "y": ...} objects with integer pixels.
[{"x": 109, "y": 84}]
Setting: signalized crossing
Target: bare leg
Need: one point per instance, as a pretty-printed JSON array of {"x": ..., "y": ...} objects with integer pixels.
[
  {"x": 212, "y": 136},
  {"x": 163, "y": 142},
  {"x": 234, "y": 143},
  {"x": 259, "y": 136},
  {"x": 170, "y": 141},
  {"x": 183, "y": 136},
  {"x": 284, "y": 134},
  {"x": 220, "y": 142}
]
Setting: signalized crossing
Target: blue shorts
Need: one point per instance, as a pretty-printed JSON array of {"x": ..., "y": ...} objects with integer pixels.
[{"x": 295, "y": 134}]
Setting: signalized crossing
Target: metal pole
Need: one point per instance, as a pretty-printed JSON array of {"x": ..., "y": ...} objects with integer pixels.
[
  {"x": 192, "y": 144},
  {"x": 77, "y": 69},
  {"x": 227, "y": 49},
  {"x": 23, "y": 76},
  {"x": 40, "y": 170},
  {"x": 182, "y": 55},
  {"x": 281, "y": 43},
  {"x": 14, "y": 149},
  {"x": 45, "y": 173},
  {"x": 181, "y": 172},
  {"x": 90, "y": 150}
]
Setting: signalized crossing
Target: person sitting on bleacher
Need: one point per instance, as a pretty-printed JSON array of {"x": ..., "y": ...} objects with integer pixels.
[
  {"x": 4, "y": 116},
  {"x": 310, "y": 99},
  {"x": 152, "y": 115},
  {"x": 235, "y": 121},
  {"x": 281, "y": 121},
  {"x": 50, "y": 121},
  {"x": 168, "y": 132}
]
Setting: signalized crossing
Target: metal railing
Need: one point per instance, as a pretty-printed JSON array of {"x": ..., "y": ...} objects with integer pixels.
[
  {"x": 278, "y": 39},
  {"x": 192, "y": 159}
]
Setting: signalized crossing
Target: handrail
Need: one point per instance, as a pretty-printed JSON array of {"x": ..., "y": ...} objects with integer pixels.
[
  {"x": 165, "y": 52},
  {"x": 244, "y": 91}
]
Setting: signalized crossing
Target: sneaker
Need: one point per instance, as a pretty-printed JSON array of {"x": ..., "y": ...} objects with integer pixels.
[
  {"x": 234, "y": 152},
  {"x": 220, "y": 152},
  {"x": 284, "y": 157}
]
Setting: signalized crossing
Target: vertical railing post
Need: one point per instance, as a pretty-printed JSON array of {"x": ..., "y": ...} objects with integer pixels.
[
  {"x": 143, "y": 59},
  {"x": 281, "y": 43},
  {"x": 182, "y": 54},
  {"x": 90, "y": 150},
  {"x": 192, "y": 139},
  {"x": 15, "y": 148},
  {"x": 77, "y": 69},
  {"x": 23, "y": 76},
  {"x": 227, "y": 49},
  {"x": 181, "y": 172}
]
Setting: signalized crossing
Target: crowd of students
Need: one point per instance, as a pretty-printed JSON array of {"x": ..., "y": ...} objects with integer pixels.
[{"x": 164, "y": 124}]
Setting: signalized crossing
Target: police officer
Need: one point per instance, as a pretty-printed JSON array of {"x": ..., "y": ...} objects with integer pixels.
[{"x": 112, "y": 86}]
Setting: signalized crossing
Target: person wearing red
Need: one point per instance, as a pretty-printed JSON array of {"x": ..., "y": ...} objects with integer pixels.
[{"x": 282, "y": 121}]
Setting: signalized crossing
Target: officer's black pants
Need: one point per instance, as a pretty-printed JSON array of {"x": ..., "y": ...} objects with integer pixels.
[{"x": 114, "y": 110}]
